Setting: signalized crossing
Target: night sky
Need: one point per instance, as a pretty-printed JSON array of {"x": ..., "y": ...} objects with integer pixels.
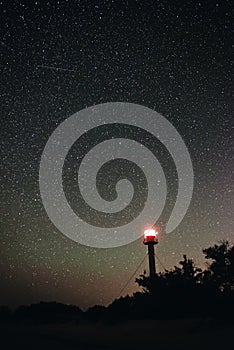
[{"x": 59, "y": 57}]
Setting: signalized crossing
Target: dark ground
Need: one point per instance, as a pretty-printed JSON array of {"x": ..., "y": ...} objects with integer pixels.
[{"x": 163, "y": 334}]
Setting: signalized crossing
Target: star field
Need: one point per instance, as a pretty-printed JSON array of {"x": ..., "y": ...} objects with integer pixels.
[{"x": 58, "y": 57}]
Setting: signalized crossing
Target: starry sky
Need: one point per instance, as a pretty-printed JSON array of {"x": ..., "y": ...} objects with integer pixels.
[{"x": 58, "y": 57}]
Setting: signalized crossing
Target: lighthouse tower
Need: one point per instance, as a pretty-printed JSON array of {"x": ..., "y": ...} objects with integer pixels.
[{"x": 150, "y": 239}]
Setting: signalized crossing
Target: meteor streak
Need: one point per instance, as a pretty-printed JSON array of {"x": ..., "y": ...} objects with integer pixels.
[{"x": 56, "y": 68}]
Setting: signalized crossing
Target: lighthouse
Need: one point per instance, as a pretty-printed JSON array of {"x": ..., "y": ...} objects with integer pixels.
[{"x": 150, "y": 239}]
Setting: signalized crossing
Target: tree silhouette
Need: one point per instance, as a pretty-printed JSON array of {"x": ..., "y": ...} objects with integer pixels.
[
  {"x": 186, "y": 290},
  {"x": 183, "y": 291},
  {"x": 220, "y": 273},
  {"x": 48, "y": 312},
  {"x": 186, "y": 275}
]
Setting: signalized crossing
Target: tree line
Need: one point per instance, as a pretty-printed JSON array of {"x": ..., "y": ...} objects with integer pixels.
[{"x": 185, "y": 291}]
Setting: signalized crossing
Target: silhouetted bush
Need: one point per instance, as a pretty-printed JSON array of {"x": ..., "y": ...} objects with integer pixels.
[
  {"x": 5, "y": 314},
  {"x": 48, "y": 312},
  {"x": 185, "y": 291},
  {"x": 95, "y": 313}
]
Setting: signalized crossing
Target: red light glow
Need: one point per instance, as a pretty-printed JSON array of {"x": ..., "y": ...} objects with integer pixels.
[
  {"x": 150, "y": 232},
  {"x": 150, "y": 236}
]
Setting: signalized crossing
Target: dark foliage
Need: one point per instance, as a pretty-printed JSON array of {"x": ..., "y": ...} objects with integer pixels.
[
  {"x": 184, "y": 291},
  {"x": 220, "y": 274},
  {"x": 95, "y": 313},
  {"x": 187, "y": 291},
  {"x": 5, "y": 314},
  {"x": 48, "y": 312}
]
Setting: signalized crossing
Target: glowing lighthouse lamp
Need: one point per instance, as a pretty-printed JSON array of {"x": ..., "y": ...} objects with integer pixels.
[
  {"x": 150, "y": 239},
  {"x": 150, "y": 236}
]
